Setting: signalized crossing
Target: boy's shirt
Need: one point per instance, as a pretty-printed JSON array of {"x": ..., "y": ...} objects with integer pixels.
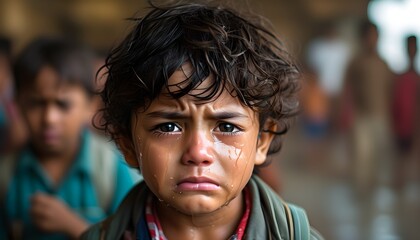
[
  {"x": 154, "y": 229},
  {"x": 268, "y": 217},
  {"x": 76, "y": 189}
]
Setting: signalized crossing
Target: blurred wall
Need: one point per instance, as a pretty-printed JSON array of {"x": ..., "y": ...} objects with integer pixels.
[{"x": 101, "y": 23}]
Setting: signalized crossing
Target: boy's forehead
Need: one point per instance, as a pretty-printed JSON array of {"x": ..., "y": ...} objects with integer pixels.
[
  {"x": 180, "y": 80},
  {"x": 224, "y": 102},
  {"x": 47, "y": 77},
  {"x": 180, "y": 75},
  {"x": 49, "y": 82}
]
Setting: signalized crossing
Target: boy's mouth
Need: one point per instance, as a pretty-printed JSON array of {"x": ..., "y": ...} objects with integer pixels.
[
  {"x": 197, "y": 184},
  {"x": 50, "y": 136}
]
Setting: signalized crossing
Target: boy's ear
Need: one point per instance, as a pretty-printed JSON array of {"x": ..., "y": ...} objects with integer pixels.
[
  {"x": 265, "y": 137},
  {"x": 128, "y": 150}
]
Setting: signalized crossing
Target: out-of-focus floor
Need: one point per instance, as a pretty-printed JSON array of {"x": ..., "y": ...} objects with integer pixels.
[{"x": 342, "y": 210}]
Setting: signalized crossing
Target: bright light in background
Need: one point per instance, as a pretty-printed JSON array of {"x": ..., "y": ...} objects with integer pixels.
[{"x": 395, "y": 20}]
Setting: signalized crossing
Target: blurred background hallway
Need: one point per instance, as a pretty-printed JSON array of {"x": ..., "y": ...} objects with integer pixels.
[{"x": 341, "y": 209}]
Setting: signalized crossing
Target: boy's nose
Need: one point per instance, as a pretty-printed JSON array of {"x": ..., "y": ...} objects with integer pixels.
[
  {"x": 198, "y": 150},
  {"x": 51, "y": 115}
]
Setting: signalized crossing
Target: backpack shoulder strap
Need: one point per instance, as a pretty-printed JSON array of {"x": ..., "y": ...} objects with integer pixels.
[
  {"x": 7, "y": 166},
  {"x": 300, "y": 228},
  {"x": 289, "y": 217},
  {"x": 7, "y": 169},
  {"x": 104, "y": 169}
]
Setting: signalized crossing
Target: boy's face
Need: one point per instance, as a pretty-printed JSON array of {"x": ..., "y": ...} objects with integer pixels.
[
  {"x": 197, "y": 157},
  {"x": 55, "y": 112}
]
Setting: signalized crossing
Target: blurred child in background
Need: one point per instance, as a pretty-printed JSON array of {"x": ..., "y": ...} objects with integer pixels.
[{"x": 66, "y": 177}]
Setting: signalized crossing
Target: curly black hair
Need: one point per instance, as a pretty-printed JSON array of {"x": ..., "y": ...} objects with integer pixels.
[{"x": 239, "y": 51}]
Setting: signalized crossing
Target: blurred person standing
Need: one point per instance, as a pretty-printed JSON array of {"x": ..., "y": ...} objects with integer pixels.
[
  {"x": 5, "y": 75},
  {"x": 12, "y": 129},
  {"x": 327, "y": 58},
  {"x": 66, "y": 178},
  {"x": 328, "y": 55},
  {"x": 406, "y": 110},
  {"x": 369, "y": 83},
  {"x": 314, "y": 118}
]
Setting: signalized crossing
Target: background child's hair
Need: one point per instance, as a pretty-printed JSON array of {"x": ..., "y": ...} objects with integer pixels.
[
  {"x": 239, "y": 52},
  {"x": 72, "y": 61}
]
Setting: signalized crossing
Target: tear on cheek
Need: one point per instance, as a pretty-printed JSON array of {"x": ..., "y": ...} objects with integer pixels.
[
  {"x": 140, "y": 161},
  {"x": 230, "y": 152}
]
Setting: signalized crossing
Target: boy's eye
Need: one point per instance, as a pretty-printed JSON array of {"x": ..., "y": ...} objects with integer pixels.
[
  {"x": 227, "y": 127},
  {"x": 168, "y": 127},
  {"x": 64, "y": 105}
]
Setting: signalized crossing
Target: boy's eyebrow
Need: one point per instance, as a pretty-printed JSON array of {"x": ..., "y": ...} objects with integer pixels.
[
  {"x": 165, "y": 114},
  {"x": 227, "y": 115},
  {"x": 178, "y": 115}
]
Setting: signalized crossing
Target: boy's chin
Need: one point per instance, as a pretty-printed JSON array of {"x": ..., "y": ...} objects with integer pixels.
[
  {"x": 49, "y": 149},
  {"x": 197, "y": 206}
]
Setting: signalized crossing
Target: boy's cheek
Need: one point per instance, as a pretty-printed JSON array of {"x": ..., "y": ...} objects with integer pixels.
[{"x": 128, "y": 150}]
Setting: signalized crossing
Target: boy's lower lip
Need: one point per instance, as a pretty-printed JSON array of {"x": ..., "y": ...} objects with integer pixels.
[
  {"x": 50, "y": 138},
  {"x": 194, "y": 186}
]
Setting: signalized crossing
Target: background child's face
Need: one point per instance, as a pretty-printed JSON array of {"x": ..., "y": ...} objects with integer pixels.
[
  {"x": 197, "y": 157},
  {"x": 55, "y": 112}
]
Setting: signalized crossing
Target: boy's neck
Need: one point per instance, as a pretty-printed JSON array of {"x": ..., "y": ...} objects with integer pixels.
[
  {"x": 57, "y": 165},
  {"x": 220, "y": 224}
]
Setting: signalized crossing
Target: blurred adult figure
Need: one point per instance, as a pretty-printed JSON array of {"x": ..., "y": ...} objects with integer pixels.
[
  {"x": 314, "y": 118},
  {"x": 406, "y": 107},
  {"x": 327, "y": 58},
  {"x": 66, "y": 177},
  {"x": 369, "y": 84}
]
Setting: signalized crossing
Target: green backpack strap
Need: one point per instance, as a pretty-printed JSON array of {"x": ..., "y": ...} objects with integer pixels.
[
  {"x": 301, "y": 228},
  {"x": 104, "y": 164},
  {"x": 7, "y": 168}
]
